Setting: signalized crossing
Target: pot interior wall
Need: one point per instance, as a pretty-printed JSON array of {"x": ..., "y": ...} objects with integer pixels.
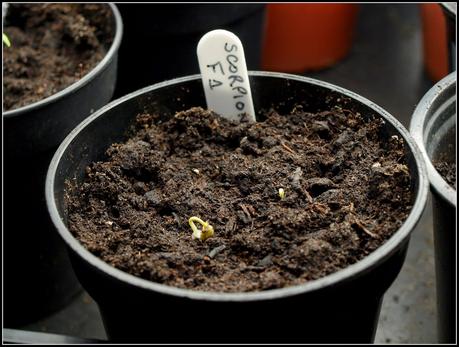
[
  {"x": 440, "y": 133},
  {"x": 439, "y": 121}
]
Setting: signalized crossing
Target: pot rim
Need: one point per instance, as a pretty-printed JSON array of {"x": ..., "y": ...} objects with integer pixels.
[
  {"x": 417, "y": 127},
  {"x": 362, "y": 266},
  {"x": 74, "y": 87}
]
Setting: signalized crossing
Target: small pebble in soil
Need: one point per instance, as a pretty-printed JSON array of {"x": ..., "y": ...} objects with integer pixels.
[{"x": 216, "y": 250}]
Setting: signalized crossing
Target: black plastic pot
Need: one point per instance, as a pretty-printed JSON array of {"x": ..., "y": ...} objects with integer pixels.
[
  {"x": 433, "y": 127},
  {"x": 160, "y": 40},
  {"x": 341, "y": 307},
  {"x": 450, "y": 11},
  {"x": 38, "y": 278}
]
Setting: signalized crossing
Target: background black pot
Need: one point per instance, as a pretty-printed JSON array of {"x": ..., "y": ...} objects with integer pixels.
[
  {"x": 433, "y": 126},
  {"x": 341, "y": 307},
  {"x": 450, "y": 11},
  {"x": 160, "y": 40},
  {"x": 38, "y": 278}
]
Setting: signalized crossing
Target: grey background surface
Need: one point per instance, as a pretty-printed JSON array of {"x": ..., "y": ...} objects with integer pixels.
[{"x": 385, "y": 66}]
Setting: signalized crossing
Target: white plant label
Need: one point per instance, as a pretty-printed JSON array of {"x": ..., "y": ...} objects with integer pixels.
[
  {"x": 4, "y": 10},
  {"x": 224, "y": 75}
]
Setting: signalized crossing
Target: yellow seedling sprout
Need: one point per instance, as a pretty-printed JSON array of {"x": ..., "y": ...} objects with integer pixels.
[
  {"x": 6, "y": 40},
  {"x": 281, "y": 193},
  {"x": 206, "y": 231}
]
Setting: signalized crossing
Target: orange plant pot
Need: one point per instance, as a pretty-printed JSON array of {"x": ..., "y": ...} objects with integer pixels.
[
  {"x": 435, "y": 41},
  {"x": 302, "y": 37}
]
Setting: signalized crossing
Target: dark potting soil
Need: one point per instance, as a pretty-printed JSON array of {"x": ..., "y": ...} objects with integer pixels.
[
  {"x": 447, "y": 170},
  {"x": 52, "y": 46},
  {"x": 347, "y": 190}
]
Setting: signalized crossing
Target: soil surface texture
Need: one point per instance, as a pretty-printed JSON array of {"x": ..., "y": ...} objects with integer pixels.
[
  {"x": 347, "y": 190},
  {"x": 52, "y": 47},
  {"x": 447, "y": 170}
]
